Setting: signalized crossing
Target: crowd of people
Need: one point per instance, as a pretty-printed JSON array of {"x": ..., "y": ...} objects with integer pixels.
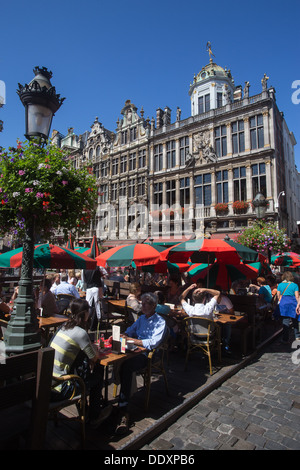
[{"x": 74, "y": 351}]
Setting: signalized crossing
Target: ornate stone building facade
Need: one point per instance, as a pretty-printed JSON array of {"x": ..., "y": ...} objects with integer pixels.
[{"x": 195, "y": 176}]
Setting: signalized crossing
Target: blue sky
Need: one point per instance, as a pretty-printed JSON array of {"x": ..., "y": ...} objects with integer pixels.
[{"x": 103, "y": 52}]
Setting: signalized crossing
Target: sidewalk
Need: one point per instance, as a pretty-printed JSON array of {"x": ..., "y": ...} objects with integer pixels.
[{"x": 257, "y": 408}]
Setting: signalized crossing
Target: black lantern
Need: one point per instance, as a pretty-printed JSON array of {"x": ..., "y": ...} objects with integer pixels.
[
  {"x": 260, "y": 205},
  {"x": 41, "y": 102}
]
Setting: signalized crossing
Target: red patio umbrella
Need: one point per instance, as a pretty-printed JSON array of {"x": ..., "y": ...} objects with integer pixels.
[
  {"x": 93, "y": 251},
  {"x": 48, "y": 256},
  {"x": 203, "y": 250},
  {"x": 221, "y": 274},
  {"x": 289, "y": 259},
  {"x": 135, "y": 255},
  {"x": 70, "y": 244}
]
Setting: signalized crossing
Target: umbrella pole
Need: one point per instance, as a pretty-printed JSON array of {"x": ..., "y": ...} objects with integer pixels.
[{"x": 207, "y": 279}]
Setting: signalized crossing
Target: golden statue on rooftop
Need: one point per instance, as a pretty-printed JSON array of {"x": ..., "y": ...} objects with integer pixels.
[{"x": 208, "y": 48}]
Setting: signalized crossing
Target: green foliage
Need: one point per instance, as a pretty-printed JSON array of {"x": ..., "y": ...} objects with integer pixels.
[
  {"x": 263, "y": 236},
  {"x": 39, "y": 184}
]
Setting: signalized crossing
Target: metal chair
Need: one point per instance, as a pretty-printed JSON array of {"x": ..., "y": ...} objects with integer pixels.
[
  {"x": 155, "y": 363},
  {"x": 203, "y": 334}
]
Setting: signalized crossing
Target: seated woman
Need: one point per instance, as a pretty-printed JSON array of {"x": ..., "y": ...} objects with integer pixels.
[
  {"x": 263, "y": 290},
  {"x": 133, "y": 301},
  {"x": 72, "y": 279},
  {"x": 74, "y": 353},
  {"x": 161, "y": 308},
  {"x": 174, "y": 291},
  {"x": 164, "y": 310}
]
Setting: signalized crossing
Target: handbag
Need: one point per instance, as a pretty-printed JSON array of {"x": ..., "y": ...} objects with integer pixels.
[{"x": 283, "y": 293}]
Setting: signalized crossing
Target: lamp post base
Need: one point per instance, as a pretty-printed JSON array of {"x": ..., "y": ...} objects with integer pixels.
[{"x": 22, "y": 334}]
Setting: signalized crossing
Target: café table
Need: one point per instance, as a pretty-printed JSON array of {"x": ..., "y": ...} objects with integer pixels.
[
  {"x": 109, "y": 358},
  {"x": 179, "y": 315},
  {"x": 45, "y": 323}
]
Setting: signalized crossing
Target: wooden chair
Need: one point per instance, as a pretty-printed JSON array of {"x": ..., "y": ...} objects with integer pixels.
[
  {"x": 130, "y": 315},
  {"x": 25, "y": 385},
  {"x": 78, "y": 399},
  {"x": 203, "y": 334}
]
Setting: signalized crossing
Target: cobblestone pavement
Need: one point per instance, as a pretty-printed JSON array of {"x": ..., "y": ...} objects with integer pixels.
[{"x": 257, "y": 408}]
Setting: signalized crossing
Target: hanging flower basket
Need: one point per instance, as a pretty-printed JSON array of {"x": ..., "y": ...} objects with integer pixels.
[
  {"x": 240, "y": 207},
  {"x": 221, "y": 208}
]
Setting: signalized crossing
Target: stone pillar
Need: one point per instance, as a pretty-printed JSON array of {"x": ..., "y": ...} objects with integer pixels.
[
  {"x": 229, "y": 140},
  {"x": 247, "y": 134},
  {"x": 213, "y": 188},
  {"x": 151, "y": 159},
  {"x": 249, "y": 183},
  {"x": 177, "y": 153},
  {"x": 164, "y": 156},
  {"x": 269, "y": 194},
  {"x": 230, "y": 186},
  {"x": 266, "y": 129}
]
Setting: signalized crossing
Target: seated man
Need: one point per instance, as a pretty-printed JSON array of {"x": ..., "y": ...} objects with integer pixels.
[
  {"x": 200, "y": 309},
  {"x": 147, "y": 332},
  {"x": 65, "y": 288}
]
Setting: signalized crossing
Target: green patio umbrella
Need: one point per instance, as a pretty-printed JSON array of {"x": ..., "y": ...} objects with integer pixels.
[
  {"x": 135, "y": 255},
  {"x": 48, "y": 256},
  {"x": 221, "y": 274}
]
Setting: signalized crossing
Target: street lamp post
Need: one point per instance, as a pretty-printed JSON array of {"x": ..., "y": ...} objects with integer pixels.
[
  {"x": 260, "y": 205},
  {"x": 41, "y": 102}
]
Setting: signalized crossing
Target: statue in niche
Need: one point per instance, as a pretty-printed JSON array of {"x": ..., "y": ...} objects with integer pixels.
[
  {"x": 178, "y": 114},
  {"x": 129, "y": 116},
  {"x": 204, "y": 149},
  {"x": 189, "y": 160}
]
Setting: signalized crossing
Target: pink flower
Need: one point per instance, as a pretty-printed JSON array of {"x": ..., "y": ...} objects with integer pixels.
[
  {"x": 21, "y": 172},
  {"x": 28, "y": 190},
  {"x": 64, "y": 182},
  {"x": 39, "y": 195}
]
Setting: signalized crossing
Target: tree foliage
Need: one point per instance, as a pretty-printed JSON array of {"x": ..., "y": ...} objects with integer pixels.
[{"x": 39, "y": 185}]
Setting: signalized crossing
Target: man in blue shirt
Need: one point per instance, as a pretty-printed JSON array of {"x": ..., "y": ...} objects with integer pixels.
[
  {"x": 65, "y": 288},
  {"x": 147, "y": 332}
]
